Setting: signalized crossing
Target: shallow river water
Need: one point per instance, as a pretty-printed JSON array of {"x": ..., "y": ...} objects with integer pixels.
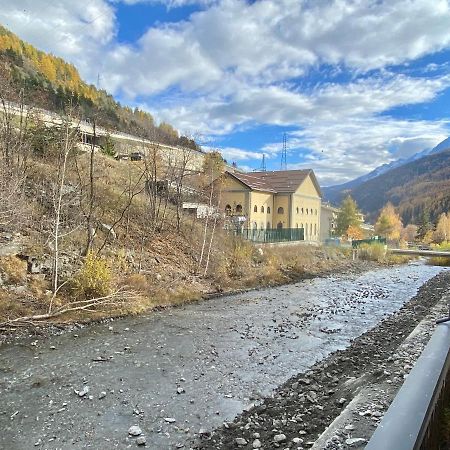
[{"x": 197, "y": 365}]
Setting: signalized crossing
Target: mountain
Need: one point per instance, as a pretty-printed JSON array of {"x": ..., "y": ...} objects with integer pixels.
[
  {"x": 335, "y": 193},
  {"x": 412, "y": 187},
  {"x": 51, "y": 83}
]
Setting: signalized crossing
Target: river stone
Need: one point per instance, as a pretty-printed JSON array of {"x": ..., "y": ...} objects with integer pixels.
[
  {"x": 240, "y": 441},
  {"x": 170, "y": 419},
  {"x": 355, "y": 441},
  {"x": 256, "y": 443},
  {"x": 134, "y": 430},
  {"x": 141, "y": 440},
  {"x": 279, "y": 438},
  {"x": 83, "y": 391}
]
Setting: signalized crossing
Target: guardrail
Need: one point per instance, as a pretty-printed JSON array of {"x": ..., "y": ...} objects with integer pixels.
[
  {"x": 404, "y": 251},
  {"x": 412, "y": 421}
]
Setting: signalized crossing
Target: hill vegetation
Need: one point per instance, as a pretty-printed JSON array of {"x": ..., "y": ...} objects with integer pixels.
[
  {"x": 420, "y": 185},
  {"x": 51, "y": 83}
]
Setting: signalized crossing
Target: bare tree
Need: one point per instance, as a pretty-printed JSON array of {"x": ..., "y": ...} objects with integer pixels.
[
  {"x": 15, "y": 149},
  {"x": 69, "y": 137}
]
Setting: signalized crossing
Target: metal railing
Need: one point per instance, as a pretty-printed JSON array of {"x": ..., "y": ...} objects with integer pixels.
[
  {"x": 412, "y": 422},
  {"x": 272, "y": 235}
]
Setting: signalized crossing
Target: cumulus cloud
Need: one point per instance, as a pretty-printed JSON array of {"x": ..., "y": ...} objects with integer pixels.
[
  {"x": 331, "y": 69},
  {"x": 344, "y": 151}
]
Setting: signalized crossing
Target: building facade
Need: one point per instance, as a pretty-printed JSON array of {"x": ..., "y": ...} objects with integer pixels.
[
  {"x": 268, "y": 200},
  {"x": 328, "y": 218}
]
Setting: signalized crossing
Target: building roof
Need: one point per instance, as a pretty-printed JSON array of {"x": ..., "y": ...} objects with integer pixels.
[{"x": 283, "y": 181}]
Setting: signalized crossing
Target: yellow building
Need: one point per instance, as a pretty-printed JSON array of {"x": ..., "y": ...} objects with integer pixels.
[{"x": 266, "y": 200}]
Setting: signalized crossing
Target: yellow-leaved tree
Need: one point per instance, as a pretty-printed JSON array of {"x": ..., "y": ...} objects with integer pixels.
[
  {"x": 389, "y": 223},
  {"x": 442, "y": 233}
]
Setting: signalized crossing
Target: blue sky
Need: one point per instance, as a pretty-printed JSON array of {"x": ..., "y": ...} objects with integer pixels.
[{"x": 353, "y": 84}]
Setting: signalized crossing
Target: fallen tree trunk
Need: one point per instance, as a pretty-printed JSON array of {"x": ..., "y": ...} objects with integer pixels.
[{"x": 114, "y": 299}]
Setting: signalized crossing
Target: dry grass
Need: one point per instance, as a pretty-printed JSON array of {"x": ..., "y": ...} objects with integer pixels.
[{"x": 13, "y": 269}]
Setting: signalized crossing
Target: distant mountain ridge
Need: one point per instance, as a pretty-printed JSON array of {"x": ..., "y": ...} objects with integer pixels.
[
  {"x": 411, "y": 188},
  {"x": 335, "y": 193}
]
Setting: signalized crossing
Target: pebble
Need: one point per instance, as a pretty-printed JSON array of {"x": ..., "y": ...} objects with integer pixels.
[
  {"x": 279, "y": 438},
  {"x": 102, "y": 395},
  {"x": 134, "y": 430},
  {"x": 241, "y": 441},
  {"x": 256, "y": 443},
  {"x": 169, "y": 419},
  {"x": 141, "y": 440},
  {"x": 83, "y": 391},
  {"x": 180, "y": 390}
]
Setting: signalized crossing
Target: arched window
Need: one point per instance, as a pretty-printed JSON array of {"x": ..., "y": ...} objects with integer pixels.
[
  {"x": 315, "y": 229},
  {"x": 255, "y": 209},
  {"x": 268, "y": 225},
  {"x": 297, "y": 209},
  {"x": 310, "y": 229},
  {"x": 262, "y": 208},
  {"x": 296, "y": 225},
  {"x": 239, "y": 209},
  {"x": 280, "y": 210},
  {"x": 303, "y": 212},
  {"x": 280, "y": 225},
  {"x": 306, "y": 210},
  {"x": 228, "y": 210},
  {"x": 311, "y": 211},
  {"x": 268, "y": 210}
]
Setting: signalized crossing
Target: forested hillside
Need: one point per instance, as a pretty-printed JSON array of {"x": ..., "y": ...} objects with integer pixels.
[
  {"x": 51, "y": 83},
  {"x": 419, "y": 185}
]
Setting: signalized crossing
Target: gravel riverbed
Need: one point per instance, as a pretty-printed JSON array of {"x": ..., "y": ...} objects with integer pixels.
[
  {"x": 173, "y": 377},
  {"x": 355, "y": 385}
]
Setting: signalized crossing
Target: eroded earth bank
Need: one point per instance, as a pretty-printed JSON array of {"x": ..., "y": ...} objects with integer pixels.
[{"x": 182, "y": 373}]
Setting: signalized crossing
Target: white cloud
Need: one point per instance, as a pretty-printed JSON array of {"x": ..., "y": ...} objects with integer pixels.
[
  {"x": 236, "y": 64},
  {"x": 350, "y": 149},
  {"x": 76, "y": 31}
]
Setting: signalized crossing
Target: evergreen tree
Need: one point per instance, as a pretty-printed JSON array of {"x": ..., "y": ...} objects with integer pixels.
[
  {"x": 347, "y": 216},
  {"x": 425, "y": 224}
]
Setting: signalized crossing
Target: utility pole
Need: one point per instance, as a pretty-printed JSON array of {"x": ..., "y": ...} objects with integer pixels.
[{"x": 284, "y": 154}]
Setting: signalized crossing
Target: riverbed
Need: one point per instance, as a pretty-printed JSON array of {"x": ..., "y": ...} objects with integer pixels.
[{"x": 187, "y": 369}]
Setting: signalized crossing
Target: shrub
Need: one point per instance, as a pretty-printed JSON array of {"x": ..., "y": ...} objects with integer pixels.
[
  {"x": 372, "y": 252},
  {"x": 94, "y": 279},
  {"x": 240, "y": 258},
  {"x": 14, "y": 268}
]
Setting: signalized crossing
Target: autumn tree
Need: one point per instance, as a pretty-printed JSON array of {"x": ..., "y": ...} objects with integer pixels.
[
  {"x": 442, "y": 233},
  {"x": 348, "y": 216},
  {"x": 409, "y": 233},
  {"x": 389, "y": 223},
  {"x": 354, "y": 232}
]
